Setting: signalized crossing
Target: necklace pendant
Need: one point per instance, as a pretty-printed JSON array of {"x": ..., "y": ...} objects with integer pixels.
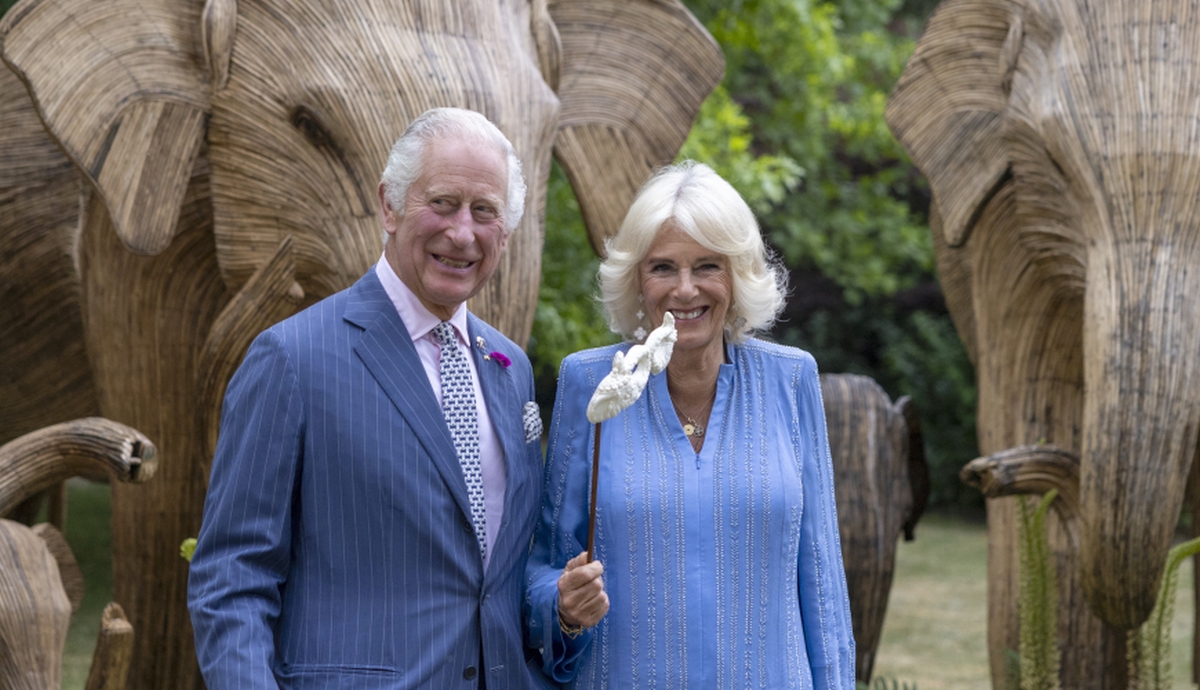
[{"x": 693, "y": 429}]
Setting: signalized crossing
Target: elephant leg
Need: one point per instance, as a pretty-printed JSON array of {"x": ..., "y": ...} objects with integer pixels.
[
  {"x": 1092, "y": 654},
  {"x": 1003, "y": 622}
]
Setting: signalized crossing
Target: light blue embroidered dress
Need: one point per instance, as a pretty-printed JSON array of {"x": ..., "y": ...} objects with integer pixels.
[{"x": 723, "y": 568}]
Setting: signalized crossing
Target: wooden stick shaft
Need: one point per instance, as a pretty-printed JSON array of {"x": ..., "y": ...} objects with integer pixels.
[{"x": 591, "y": 549}]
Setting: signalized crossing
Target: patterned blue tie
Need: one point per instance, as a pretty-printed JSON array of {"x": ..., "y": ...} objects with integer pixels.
[{"x": 458, "y": 404}]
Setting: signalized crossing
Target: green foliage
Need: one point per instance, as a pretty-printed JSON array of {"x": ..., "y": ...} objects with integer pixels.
[
  {"x": 1149, "y": 649},
  {"x": 722, "y": 139},
  {"x": 915, "y": 353},
  {"x": 1038, "y": 598},
  {"x": 814, "y": 78},
  {"x": 187, "y": 549},
  {"x": 568, "y": 317},
  {"x": 1012, "y": 670},
  {"x": 5, "y": 5},
  {"x": 838, "y": 198}
]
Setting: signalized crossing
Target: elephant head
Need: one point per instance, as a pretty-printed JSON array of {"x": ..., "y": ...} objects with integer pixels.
[
  {"x": 296, "y": 105},
  {"x": 42, "y": 584},
  {"x": 230, "y": 151},
  {"x": 882, "y": 485},
  {"x": 1061, "y": 140}
]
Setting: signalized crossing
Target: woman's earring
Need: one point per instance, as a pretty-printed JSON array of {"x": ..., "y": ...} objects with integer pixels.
[
  {"x": 639, "y": 333},
  {"x": 739, "y": 322}
]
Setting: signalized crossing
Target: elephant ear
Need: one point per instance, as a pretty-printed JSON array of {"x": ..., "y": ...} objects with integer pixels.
[
  {"x": 907, "y": 423},
  {"x": 120, "y": 87},
  {"x": 629, "y": 92},
  {"x": 39, "y": 284},
  {"x": 947, "y": 109}
]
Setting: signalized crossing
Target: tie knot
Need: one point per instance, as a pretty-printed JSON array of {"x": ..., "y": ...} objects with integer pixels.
[{"x": 444, "y": 332}]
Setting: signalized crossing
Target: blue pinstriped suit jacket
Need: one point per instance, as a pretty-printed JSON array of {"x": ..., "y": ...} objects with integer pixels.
[{"x": 336, "y": 549}]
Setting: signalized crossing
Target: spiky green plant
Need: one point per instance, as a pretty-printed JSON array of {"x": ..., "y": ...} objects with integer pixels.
[
  {"x": 1038, "y": 598},
  {"x": 1149, "y": 648}
]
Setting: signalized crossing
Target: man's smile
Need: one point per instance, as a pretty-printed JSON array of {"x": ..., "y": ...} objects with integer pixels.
[{"x": 452, "y": 263}]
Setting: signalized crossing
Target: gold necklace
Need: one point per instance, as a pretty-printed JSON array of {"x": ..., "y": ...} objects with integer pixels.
[{"x": 691, "y": 427}]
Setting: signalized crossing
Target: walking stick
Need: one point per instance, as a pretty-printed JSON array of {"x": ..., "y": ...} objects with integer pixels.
[{"x": 623, "y": 385}]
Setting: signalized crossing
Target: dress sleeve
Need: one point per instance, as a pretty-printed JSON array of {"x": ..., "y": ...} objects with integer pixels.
[
  {"x": 562, "y": 528},
  {"x": 242, "y": 553},
  {"x": 824, "y": 600}
]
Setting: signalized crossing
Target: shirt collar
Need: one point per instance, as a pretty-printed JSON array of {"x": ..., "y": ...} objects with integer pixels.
[{"x": 418, "y": 320}]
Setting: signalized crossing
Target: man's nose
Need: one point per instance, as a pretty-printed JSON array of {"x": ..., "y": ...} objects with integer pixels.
[{"x": 460, "y": 229}]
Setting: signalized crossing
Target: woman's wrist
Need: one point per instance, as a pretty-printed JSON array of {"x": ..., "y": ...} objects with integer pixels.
[{"x": 571, "y": 631}]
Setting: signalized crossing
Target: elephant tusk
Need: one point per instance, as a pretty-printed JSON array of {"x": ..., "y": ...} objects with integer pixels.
[
  {"x": 1028, "y": 470},
  {"x": 270, "y": 295},
  {"x": 114, "y": 650},
  {"x": 92, "y": 447}
]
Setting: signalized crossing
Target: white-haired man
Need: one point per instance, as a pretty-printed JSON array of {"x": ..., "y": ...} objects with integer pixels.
[{"x": 378, "y": 473}]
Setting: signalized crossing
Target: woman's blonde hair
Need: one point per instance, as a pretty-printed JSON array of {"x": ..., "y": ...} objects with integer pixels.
[{"x": 692, "y": 198}]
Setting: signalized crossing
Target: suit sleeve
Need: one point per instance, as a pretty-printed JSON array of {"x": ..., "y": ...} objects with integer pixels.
[
  {"x": 562, "y": 528},
  {"x": 824, "y": 600},
  {"x": 243, "y": 551}
]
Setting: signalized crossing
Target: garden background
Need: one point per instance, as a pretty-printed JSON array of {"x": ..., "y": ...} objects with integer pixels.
[{"x": 797, "y": 126}]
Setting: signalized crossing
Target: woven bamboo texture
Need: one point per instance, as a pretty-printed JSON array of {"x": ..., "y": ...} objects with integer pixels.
[
  {"x": 41, "y": 585},
  {"x": 218, "y": 162},
  {"x": 93, "y": 448},
  {"x": 882, "y": 484},
  {"x": 34, "y": 611},
  {"x": 114, "y": 651},
  {"x": 1062, "y": 145},
  {"x": 39, "y": 195}
]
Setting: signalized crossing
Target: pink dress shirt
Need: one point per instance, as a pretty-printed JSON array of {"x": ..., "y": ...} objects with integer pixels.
[{"x": 420, "y": 324}]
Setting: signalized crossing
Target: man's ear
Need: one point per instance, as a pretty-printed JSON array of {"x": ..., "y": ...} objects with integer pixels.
[
  {"x": 127, "y": 102},
  {"x": 386, "y": 213}
]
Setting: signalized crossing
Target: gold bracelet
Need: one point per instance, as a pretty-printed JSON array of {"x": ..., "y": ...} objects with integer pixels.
[{"x": 571, "y": 631}]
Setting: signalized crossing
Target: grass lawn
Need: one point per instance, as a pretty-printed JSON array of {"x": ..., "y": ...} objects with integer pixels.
[
  {"x": 88, "y": 532},
  {"x": 935, "y": 632},
  {"x": 934, "y": 636}
]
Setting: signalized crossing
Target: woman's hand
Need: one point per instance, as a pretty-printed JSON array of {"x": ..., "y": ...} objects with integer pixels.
[{"x": 582, "y": 601}]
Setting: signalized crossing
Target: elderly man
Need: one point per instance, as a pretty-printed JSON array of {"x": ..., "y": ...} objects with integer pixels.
[{"x": 378, "y": 473}]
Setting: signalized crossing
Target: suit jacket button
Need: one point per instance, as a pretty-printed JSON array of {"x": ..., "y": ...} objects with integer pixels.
[{"x": 469, "y": 673}]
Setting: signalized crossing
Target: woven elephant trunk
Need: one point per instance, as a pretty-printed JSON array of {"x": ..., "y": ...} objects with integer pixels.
[
  {"x": 1140, "y": 422},
  {"x": 1061, "y": 140}
]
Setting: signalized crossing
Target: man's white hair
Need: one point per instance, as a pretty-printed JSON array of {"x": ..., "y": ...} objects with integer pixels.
[{"x": 407, "y": 157}]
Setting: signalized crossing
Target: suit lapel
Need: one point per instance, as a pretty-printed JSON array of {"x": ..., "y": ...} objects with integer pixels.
[
  {"x": 387, "y": 351},
  {"x": 505, "y": 407}
]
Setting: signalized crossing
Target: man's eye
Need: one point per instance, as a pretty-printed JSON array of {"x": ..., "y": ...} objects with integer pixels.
[{"x": 485, "y": 213}]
